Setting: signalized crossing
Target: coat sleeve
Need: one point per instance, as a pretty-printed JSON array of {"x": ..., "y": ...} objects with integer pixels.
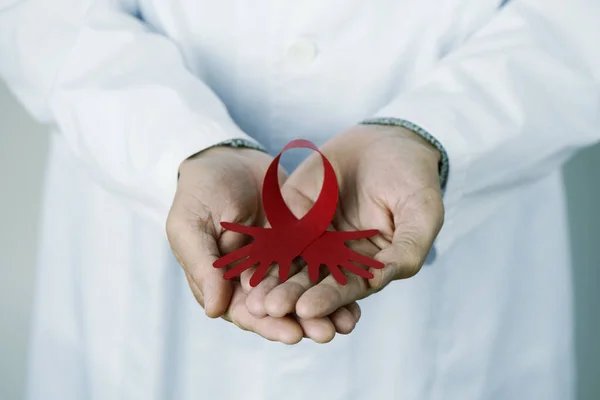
[
  {"x": 119, "y": 93},
  {"x": 510, "y": 105}
]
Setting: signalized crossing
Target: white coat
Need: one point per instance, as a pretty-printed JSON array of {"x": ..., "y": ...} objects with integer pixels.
[{"x": 131, "y": 88}]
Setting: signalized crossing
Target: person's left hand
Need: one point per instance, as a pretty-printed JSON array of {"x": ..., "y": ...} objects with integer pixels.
[{"x": 388, "y": 180}]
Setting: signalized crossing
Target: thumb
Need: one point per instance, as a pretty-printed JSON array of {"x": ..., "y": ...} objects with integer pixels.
[
  {"x": 194, "y": 244},
  {"x": 417, "y": 222}
]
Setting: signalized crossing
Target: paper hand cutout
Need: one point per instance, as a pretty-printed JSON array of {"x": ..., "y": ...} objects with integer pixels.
[{"x": 290, "y": 237}]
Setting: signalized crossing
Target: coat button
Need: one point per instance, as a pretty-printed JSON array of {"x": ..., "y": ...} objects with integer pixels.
[{"x": 301, "y": 52}]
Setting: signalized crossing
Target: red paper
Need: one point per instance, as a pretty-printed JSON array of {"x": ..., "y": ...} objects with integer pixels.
[{"x": 290, "y": 237}]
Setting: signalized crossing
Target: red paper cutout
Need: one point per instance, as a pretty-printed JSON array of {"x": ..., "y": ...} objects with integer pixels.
[{"x": 290, "y": 237}]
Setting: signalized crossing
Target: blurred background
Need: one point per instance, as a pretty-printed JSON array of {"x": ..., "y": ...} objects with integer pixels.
[{"x": 22, "y": 158}]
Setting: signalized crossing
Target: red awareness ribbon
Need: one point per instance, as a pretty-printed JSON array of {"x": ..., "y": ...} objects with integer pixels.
[{"x": 290, "y": 237}]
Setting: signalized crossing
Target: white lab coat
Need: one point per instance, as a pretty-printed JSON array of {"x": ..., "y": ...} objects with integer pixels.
[{"x": 131, "y": 88}]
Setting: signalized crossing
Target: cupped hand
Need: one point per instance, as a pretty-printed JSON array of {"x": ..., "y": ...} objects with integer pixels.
[
  {"x": 388, "y": 180},
  {"x": 224, "y": 185}
]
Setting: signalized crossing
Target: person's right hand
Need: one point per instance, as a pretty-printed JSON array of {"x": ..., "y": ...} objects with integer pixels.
[{"x": 224, "y": 184}]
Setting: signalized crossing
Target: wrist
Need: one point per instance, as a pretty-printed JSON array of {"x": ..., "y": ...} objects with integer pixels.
[
  {"x": 412, "y": 137},
  {"x": 415, "y": 132}
]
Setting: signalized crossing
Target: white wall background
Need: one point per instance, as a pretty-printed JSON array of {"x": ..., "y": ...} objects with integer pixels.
[{"x": 22, "y": 157}]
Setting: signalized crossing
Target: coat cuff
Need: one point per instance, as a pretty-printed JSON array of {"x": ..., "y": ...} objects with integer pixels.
[{"x": 240, "y": 143}]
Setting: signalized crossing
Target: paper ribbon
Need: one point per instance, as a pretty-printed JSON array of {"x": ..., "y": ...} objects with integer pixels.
[{"x": 290, "y": 237}]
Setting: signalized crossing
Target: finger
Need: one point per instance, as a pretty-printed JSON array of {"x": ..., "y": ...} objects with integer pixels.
[
  {"x": 285, "y": 330},
  {"x": 256, "y": 297},
  {"x": 259, "y": 274},
  {"x": 329, "y": 295},
  {"x": 256, "y": 302},
  {"x": 282, "y": 298},
  {"x": 194, "y": 245},
  {"x": 326, "y": 297},
  {"x": 245, "y": 280},
  {"x": 343, "y": 320},
  {"x": 354, "y": 308},
  {"x": 417, "y": 223},
  {"x": 319, "y": 330}
]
